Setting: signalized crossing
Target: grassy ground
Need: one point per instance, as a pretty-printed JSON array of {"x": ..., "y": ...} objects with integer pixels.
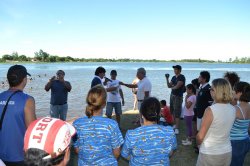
[{"x": 184, "y": 155}]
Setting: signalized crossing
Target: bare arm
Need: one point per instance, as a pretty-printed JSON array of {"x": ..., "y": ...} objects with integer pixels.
[
  {"x": 67, "y": 86},
  {"x": 117, "y": 152},
  {"x": 129, "y": 85},
  {"x": 111, "y": 89},
  {"x": 29, "y": 111},
  {"x": 169, "y": 83},
  {"x": 178, "y": 85},
  {"x": 121, "y": 94},
  {"x": 48, "y": 85},
  {"x": 146, "y": 94},
  {"x": 205, "y": 125}
]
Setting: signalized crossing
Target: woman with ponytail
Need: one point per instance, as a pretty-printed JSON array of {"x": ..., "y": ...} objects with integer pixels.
[
  {"x": 150, "y": 144},
  {"x": 98, "y": 140},
  {"x": 239, "y": 132}
]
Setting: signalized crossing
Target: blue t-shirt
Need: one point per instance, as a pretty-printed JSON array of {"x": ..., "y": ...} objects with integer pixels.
[
  {"x": 96, "y": 138},
  {"x": 59, "y": 93},
  {"x": 96, "y": 80},
  {"x": 13, "y": 126},
  {"x": 181, "y": 90},
  {"x": 149, "y": 145}
]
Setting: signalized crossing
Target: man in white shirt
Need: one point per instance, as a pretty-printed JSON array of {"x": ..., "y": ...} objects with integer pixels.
[
  {"x": 144, "y": 87},
  {"x": 114, "y": 98}
]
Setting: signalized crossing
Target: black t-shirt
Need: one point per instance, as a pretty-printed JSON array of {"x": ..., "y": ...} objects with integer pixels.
[{"x": 181, "y": 90}]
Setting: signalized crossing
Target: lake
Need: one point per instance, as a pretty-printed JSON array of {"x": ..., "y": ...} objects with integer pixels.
[{"x": 80, "y": 76}]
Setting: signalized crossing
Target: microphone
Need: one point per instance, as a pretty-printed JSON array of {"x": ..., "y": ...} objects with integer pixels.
[{"x": 108, "y": 79}]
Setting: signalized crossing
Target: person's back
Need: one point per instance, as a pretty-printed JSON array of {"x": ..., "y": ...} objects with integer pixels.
[
  {"x": 97, "y": 136},
  {"x": 150, "y": 145}
]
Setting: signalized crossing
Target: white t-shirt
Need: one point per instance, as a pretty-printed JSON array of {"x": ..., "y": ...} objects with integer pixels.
[
  {"x": 1, "y": 163},
  {"x": 114, "y": 96},
  {"x": 217, "y": 139},
  {"x": 144, "y": 85}
]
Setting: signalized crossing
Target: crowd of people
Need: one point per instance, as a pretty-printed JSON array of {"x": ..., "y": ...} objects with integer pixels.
[{"x": 217, "y": 116}]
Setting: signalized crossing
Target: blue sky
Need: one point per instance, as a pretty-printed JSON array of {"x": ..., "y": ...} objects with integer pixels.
[{"x": 144, "y": 29}]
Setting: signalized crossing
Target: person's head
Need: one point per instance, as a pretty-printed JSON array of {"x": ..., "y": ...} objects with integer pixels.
[
  {"x": 141, "y": 73},
  {"x": 204, "y": 77},
  {"x": 100, "y": 71},
  {"x": 163, "y": 103},
  {"x": 113, "y": 74},
  {"x": 177, "y": 69},
  {"x": 47, "y": 142},
  {"x": 190, "y": 89},
  {"x": 196, "y": 83},
  {"x": 232, "y": 77},
  {"x": 150, "y": 109},
  {"x": 221, "y": 91},
  {"x": 17, "y": 76},
  {"x": 242, "y": 91},
  {"x": 60, "y": 74},
  {"x": 96, "y": 100}
]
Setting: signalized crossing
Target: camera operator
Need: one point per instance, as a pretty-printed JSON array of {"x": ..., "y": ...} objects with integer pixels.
[{"x": 177, "y": 84}]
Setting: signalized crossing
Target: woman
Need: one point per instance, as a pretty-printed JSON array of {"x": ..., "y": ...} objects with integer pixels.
[
  {"x": 213, "y": 137},
  {"x": 98, "y": 139},
  {"x": 150, "y": 144},
  {"x": 239, "y": 132}
]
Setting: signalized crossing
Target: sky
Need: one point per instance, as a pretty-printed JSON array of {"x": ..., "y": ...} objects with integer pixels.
[{"x": 139, "y": 29}]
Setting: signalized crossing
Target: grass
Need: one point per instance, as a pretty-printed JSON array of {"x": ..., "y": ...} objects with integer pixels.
[{"x": 184, "y": 155}]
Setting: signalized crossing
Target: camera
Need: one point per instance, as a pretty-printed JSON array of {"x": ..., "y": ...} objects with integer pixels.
[{"x": 167, "y": 75}]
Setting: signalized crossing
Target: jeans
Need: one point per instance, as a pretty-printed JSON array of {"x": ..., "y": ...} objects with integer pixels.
[
  {"x": 239, "y": 151},
  {"x": 59, "y": 111},
  {"x": 116, "y": 105}
]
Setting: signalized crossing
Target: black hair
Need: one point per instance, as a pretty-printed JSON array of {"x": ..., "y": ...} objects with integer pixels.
[
  {"x": 163, "y": 102},
  {"x": 196, "y": 83},
  {"x": 244, "y": 88},
  {"x": 191, "y": 86},
  {"x": 232, "y": 77},
  {"x": 205, "y": 75},
  {"x": 99, "y": 70},
  {"x": 150, "y": 109},
  {"x": 34, "y": 157},
  {"x": 113, "y": 72}
]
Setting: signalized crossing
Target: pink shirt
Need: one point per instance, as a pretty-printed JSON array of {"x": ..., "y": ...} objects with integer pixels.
[{"x": 190, "y": 111}]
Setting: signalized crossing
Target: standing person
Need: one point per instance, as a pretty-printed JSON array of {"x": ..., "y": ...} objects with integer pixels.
[
  {"x": 239, "y": 132},
  {"x": 190, "y": 100},
  {"x": 144, "y": 87},
  {"x": 150, "y": 144},
  {"x": 99, "y": 139},
  {"x": 214, "y": 134},
  {"x": 166, "y": 116},
  {"x": 204, "y": 98},
  {"x": 114, "y": 98},
  {"x": 59, "y": 95},
  {"x": 134, "y": 91},
  {"x": 47, "y": 142},
  {"x": 177, "y": 85},
  {"x": 17, "y": 111}
]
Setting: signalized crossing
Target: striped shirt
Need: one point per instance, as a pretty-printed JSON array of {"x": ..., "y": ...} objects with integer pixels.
[
  {"x": 239, "y": 130},
  {"x": 96, "y": 138},
  {"x": 149, "y": 145}
]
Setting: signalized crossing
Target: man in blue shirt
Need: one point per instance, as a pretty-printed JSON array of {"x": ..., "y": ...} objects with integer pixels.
[{"x": 59, "y": 95}]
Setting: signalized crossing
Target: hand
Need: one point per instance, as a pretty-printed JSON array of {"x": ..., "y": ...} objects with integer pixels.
[
  {"x": 52, "y": 78},
  {"x": 123, "y": 102}
]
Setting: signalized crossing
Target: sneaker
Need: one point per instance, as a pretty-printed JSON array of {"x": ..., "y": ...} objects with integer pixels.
[
  {"x": 187, "y": 143},
  {"x": 174, "y": 126},
  {"x": 176, "y": 131},
  {"x": 185, "y": 140}
]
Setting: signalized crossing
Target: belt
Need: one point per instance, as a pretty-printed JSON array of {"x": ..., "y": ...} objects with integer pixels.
[{"x": 140, "y": 100}]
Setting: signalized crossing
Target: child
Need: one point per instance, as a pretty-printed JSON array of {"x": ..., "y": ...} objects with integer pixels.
[
  {"x": 190, "y": 100},
  {"x": 166, "y": 116}
]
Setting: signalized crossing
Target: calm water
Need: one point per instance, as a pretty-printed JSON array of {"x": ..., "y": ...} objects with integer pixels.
[{"x": 81, "y": 74}]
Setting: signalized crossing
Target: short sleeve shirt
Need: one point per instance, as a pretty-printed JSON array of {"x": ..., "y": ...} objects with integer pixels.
[
  {"x": 149, "y": 144},
  {"x": 96, "y": 138},
  {"x": 114, "y": 96},
  {"x": 174, "y": 80},
  {"x": 190, "y": 111},
  {"x": 96, "y": 80},
  {"x": 144, "y": 85}
]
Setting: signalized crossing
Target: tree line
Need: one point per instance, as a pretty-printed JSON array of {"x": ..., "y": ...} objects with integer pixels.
[{"x": 42, "y": 56}]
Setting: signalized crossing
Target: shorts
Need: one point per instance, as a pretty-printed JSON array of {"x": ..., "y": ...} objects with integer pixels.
[
  {"x": 176, "y": 105},
  {"x": 198, "y": 124},
  {"x": 214, "y": 160},
  {"x": 116, "y": 105}
]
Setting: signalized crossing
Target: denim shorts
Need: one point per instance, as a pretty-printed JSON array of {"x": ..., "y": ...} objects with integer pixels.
[
  {"x": 113, "y": 105},
  {"x": 239, "y": 150},
  {"x": 59, "y": 111},
  {"x": 176, "y": 105}
]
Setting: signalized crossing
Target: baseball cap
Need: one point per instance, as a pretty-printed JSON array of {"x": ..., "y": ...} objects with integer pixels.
[
  {"x": 177, "y": 67},
  {"x": 17, "y": 73},
  {"x": 50, "y": 135}
]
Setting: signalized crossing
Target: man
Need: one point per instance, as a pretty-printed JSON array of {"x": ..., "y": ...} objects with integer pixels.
[
  {"x": 114, "y": 98},
  {"x": 47, "y": 142},
  {"x": 59, "y": 95},
  {"x": 17, "y": 111},
  {"x": 177, "y": 85},
  {"x": 144, "y": 88},
  {"x": 204, "y": 98}
]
